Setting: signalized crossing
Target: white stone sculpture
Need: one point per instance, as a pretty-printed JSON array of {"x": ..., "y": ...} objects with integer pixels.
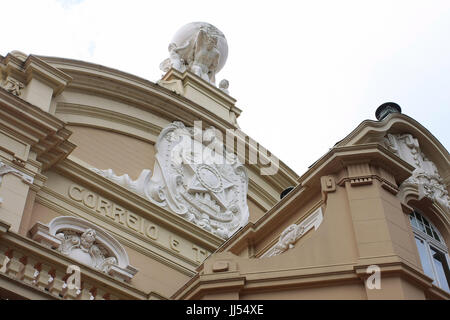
[
  {"x": 294, "y": 232},
  {"x": 196, "y": 178},
  {"x": 223, "y": 85},
  {"x": 198, "y": 47},
  {"x": 425, "y": 178},
  {"x": 86, "y": 243},
  {"x": 82, "y": 247}
]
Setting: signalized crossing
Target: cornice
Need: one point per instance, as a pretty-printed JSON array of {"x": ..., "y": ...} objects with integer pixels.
[
  {"x": 243, "y": 282},
  {"x": 116, "y": 84},
  {"x": 371, "y": 128},
  {"x": 95, "y": 113},
  {"x": 36, "y": 68},
  {"x": 45, "y": 133}
]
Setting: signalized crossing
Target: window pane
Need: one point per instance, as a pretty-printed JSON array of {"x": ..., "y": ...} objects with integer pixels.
[
  {"x": 429, "y": 231},
  {"x": 424, "y": 259},
  {"x": 418, "y": 216},
  {"x": 421, "y": 226},
  {"x": 441, "y": 266},
  {"x": 436, "y": 236},
  {"x": 413, "y": 221}
]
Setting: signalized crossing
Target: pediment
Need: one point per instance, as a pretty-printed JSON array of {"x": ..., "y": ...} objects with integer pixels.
[
  {"x": 409, "y": 140},
  {"x": 396, "y": 124}
]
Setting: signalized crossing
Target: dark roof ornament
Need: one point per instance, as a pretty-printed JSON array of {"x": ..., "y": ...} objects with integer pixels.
[{"x": 387, "y": 108}]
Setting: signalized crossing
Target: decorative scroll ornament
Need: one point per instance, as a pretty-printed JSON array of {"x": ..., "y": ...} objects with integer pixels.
[
  {"x": 13, "y": 86},
  {"x": 198, "y": 47},
  {"x": 294, "y": 232},
  {"x": 196, "y": 178},
  {"x": 85, "y": 243},
  {"x": 425, "y": 178}
]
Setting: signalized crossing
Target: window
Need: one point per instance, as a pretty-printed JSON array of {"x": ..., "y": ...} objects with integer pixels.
[{"x": 432, "y": 251}]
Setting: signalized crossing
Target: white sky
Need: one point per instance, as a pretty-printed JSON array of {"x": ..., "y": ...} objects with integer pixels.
[{"x": 305, "y": 73}]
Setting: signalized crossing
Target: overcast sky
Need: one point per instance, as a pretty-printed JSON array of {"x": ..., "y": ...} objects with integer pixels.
[{"x": 305, "y": 73}]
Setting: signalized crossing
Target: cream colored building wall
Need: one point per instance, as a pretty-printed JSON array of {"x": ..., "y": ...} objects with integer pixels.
[
  {"x": 255, "y": 210},
  {"x": 110, "y": 150},
  {"x": 291, "y": 216},
  {"x": 153, "y": 275},
  {"x": 353, "y": 291},
  {"x": 41, "y": 213}
]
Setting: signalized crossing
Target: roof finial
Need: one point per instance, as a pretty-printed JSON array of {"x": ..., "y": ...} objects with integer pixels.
[{"x": 387, "y": 108}]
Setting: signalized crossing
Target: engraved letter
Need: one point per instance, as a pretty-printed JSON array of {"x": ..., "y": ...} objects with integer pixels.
[
  {"x": 133, "y": 221},
  {"x": 75, "y": 192},
  {"x": 152, "y": 232}
]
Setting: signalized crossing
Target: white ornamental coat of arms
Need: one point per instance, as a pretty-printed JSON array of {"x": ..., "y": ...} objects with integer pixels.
[{"x": 196, "y": 178}]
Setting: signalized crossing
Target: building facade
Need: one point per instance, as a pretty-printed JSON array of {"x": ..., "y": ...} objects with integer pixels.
[{"x": 114, "y": 187}]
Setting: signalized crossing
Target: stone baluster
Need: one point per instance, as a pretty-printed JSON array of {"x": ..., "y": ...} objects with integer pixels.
[
  {"x": 87, "y": 292},
  {"x": 101, "y": 295},
  {"x": 14, "y": 267},
  {"x": 71, "y": 293},
  {"x": 57, "y": 285},
  {"x": 44, "y": 278},
  {"x": 30, "y": 273}
]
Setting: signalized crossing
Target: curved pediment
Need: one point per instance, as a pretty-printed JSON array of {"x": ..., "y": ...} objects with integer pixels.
[
  {"x": 370, "y": 131},
  {"x": 86, "y": 243},
  {"x": 413, "y": 143}
]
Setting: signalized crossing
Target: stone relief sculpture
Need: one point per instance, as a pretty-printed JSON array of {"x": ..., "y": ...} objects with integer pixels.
[
  {"x": 198, "y": 47},
  {"x": 196, "y": 178},
  {"x": 13, "y": 86},
  {"x": 82, "y": 247},
  {"x": 86, "y": 243},
  {"x": 425, "y": 178},
  {"x": 294, "y": 232},
  {"x": 223, "y": 85}
]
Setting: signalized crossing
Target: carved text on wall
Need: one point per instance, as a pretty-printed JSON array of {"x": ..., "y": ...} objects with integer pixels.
[{"x": 135, "y": 223}]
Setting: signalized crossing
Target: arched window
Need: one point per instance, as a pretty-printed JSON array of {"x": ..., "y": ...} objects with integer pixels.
[{"x": 432, "y": 251}]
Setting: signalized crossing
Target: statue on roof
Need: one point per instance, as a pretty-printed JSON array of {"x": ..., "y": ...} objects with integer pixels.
[{"x": 198, "y": 47}]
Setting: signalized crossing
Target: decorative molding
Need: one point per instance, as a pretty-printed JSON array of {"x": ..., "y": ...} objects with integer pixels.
[
  {"x": 328, "y": 184},
  {"x": 85, "y": 242},
  {"x": 359, "y": 174},
  {"x": 294, "y": 232},
  {"x": 202, "y": 183},
  {"x": 425, "y": 180}
]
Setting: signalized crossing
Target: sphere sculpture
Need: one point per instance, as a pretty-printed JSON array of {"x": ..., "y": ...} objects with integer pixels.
[{"x": 198, "y": 47}]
